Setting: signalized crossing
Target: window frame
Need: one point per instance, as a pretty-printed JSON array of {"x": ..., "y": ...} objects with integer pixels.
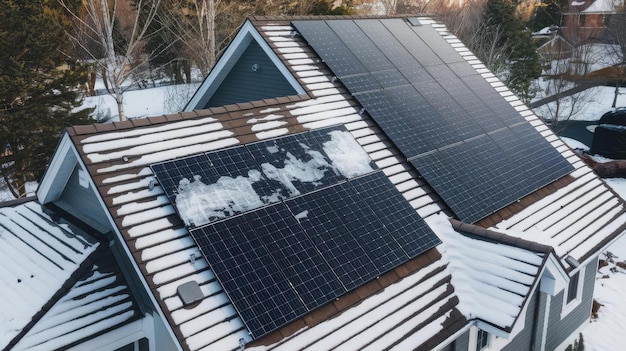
[{"x": 572, "y": 294}]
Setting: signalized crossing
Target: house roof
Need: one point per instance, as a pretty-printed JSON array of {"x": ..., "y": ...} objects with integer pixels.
[
  {"x": 601, "y": 6},
  {"x": 98, "y": 301},
  {"x": 419, "y": 303},
  {"x": 492, "y": 269},
  {"x": 44, "y": 259}
]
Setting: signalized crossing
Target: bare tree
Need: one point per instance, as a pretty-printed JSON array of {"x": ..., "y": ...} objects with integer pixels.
[
  {"x": 616, "y": 50},
  {"x": 193, "y": 23},
  {"x": 565, "y": 79},
  {"x": 115, "y": 47}
]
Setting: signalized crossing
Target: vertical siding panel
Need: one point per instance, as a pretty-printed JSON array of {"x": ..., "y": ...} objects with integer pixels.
[
  {"x": 523, "y": 340},
  {"x": 560, "y": 329}
]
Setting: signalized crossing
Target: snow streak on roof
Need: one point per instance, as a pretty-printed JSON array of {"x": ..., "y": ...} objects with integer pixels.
[
  {"x": 486, "y": 272},
  {"x": 99, "y": 301},
  {"x": 417, "y": 299},
  {"x": 37, "y": 257}
]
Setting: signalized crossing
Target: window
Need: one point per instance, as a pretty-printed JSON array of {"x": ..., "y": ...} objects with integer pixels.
[
  {"x": 139, "y": 345},
  {"x": 572, "y": 289},
  {"x": 573, "y": 293},
  {"x": 482, "y": 339}
]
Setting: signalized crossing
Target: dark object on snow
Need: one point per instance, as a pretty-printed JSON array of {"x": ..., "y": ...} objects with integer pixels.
[
  {"x": 609, "y": 139},
  {"x": 617, "y": 117}
]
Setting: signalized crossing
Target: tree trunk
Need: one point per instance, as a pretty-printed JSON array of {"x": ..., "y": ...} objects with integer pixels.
[{"x": 610, "y": 169}]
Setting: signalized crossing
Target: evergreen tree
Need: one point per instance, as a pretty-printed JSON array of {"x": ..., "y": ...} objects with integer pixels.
[
  {"x": 38, "y": 89},
  {"x": 522, "y": 59}
]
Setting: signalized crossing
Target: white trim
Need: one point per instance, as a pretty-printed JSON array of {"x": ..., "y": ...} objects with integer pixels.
[
  {"x": 134, "y": 265},
  {"x": 114, "y": 339},
  {"x": 546, "y": 320},
  {"x": 64, "y": 153},
  {"x": 553, "y": 277},
  {"x": 567, "y": 308},
  {"x": 473, "y": 338},
  {"x": 218, "y": 73},
  {"x": 453, "y": 337}
]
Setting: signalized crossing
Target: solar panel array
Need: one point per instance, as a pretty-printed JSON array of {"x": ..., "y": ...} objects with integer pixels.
[
  {"x": 433, "y": 105},
  {"x": 293, "y": 255}
]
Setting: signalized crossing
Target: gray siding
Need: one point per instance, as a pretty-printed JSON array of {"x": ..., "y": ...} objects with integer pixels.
[
  {"x": 559, "y": 330},
  {"x": 242, "y": 84},
  {"x": 461, "y": 343},
  {"x": 524, "y": 340},
  {"x": 83, "y": 203}
]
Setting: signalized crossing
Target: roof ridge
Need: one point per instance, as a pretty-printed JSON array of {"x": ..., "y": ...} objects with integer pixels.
[{"x": 499, "y": 237}]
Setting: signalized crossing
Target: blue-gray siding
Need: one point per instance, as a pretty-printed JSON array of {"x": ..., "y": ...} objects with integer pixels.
[
  {"x": 83, "y": 203},
  {"x": 559, "y": 330},
  {"x": 524, "y": 340},
  {"x": 242, "y": 84}
]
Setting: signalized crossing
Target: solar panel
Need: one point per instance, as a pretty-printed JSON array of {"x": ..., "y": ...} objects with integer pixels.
[
  {"x": 468, "y": 142},
  {"x": 281, "y": 261},
  {"x": 360, "y": 45},
  {"x": 212, "y": 186},
  {"x": 170, "y": 173},
  {"x": 256, "y": 284},
  {"x": 331, "y": 48},
  {"x": 335, "y": 224},
  {"x": 405, "y": 227}
]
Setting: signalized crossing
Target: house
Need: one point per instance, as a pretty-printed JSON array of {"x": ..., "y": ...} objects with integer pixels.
[
  {"x": 588, "y": 20},
  {"x": 338, "y": 183}
]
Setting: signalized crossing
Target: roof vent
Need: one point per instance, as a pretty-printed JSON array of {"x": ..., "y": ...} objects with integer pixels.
[
  {"x": 189, "y": 292},
  {"x": 414, "y": 22},
  {"x": 572, "y": 261}
]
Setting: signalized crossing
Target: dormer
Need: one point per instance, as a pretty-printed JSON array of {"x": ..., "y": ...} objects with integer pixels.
[{"x": 249, "y": 70}]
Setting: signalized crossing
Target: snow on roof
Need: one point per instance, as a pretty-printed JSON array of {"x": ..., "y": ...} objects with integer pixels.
[
  {"x": 118, "y": 157},
  {"x": 37, "y": 257},
  {"x": 98, "y": 301},
  {"x": 486, "y": 272},
  {"x": 602, "y": 6}
]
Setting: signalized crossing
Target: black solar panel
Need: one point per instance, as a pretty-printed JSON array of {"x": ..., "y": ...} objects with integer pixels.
[
  {"x": 282, "y": 261},
  {"x": 169, "y": 174},
  {"x": 467, "y": 141},
  {"x": 246, "y": 267},
  {"x": 396, "y": 214}
]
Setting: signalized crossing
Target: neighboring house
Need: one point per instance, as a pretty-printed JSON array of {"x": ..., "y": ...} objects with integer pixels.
[
  {"x": 587, "y": 20},
  {"x": 552, "y": 44},
  {"x": 342, "y": 183}
]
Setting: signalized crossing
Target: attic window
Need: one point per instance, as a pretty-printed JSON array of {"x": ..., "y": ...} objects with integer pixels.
[{"x": 189, "y": 292}]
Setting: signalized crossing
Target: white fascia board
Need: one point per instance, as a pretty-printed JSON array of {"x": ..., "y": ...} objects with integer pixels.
[
  {"x": 229, "y": 58},
  {"x": 492, "y": 330},
  {"x": 554, "y": 278},
  {"x": 59, "y": 171},
  {"x": 128, "y": 253}
]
